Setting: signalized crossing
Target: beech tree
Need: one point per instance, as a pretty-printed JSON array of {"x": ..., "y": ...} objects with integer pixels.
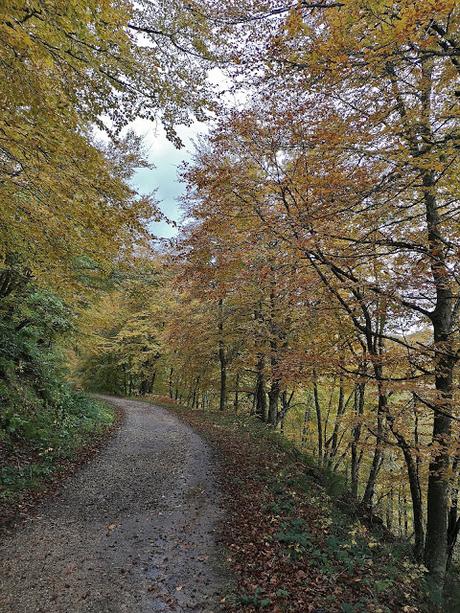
[
  {"x": 316, "y": 281},
  {"x": 71, "y": 66},
  {"x": 354, "y": 264},
  {"x": 370, "y": 131},
  {"x": 122, "y": 331}
]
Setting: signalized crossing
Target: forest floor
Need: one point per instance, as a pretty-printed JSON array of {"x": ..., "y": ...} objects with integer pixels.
[
  {"x": 191, "y": 511},
  {"x": 133, "y": 531},
  {"x": 34, "y": 465},
  {"x": 295, "y": 541}
]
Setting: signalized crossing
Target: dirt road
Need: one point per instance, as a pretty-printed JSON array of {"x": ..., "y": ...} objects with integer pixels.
[{"x": 133, "y": 531}]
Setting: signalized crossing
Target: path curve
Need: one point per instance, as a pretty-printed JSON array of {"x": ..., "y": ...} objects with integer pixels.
[{"x": 133, "y": 532}]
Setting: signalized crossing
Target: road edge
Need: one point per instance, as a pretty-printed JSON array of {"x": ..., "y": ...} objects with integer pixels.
[{"x": 28, "y": 502}]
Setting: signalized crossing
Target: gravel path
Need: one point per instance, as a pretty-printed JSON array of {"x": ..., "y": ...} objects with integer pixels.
[{"x": 133, "y": 531}]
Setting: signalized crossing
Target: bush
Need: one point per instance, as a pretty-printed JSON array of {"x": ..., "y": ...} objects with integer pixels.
[{"x": 35, "y": 442}]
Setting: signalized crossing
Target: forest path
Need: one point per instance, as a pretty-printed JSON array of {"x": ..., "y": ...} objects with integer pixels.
[{"x": 133, "y": 531}]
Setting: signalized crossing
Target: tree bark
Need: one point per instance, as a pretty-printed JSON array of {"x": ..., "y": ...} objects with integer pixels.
[
  {"x": 261, "y": 396},
  {"x": 222, "y": 359},
  {"x": 273, "y": 400},
  {"x": 334, "y": 440},
  {"x": 454, "y": 521},
  {"x": 378, "y": 451},
  {"x": 319, "y": 420},
  {"x": 356, "y": 435},
  {"x": 416, "y": 495},
  {"x": 236, "y": 400},
  {"x": 306, "y": 421},
  {"x": 436, "y": 547}
]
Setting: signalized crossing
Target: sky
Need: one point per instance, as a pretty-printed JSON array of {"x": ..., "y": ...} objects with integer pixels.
[{"x": 166, "y": 159}]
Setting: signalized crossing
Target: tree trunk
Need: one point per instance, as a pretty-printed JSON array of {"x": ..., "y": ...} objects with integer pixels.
[
  {"x": 334, "y": 441},
  {"x": 436, "y": 547},
  {"x": 285, "y": 404},
  {"x": 356, "y": 435},
  {"x": 454, "y": 521},
  {"x": 454, "y": 529},
  {"x": 261, "y": 396},
  {"x": 415, "y": 489},
  {"x": 223, "y": 382},
  {"x": 236, "y": 401},
  {"x": 389, "y": 510},
  {"x": 417, "y": 504},
  {"x": 306, "y": 421},
  {"x": 195, "y": 393},
  {"x": 319, "y": 421},
  {"x": 150, "y": 383},
  {"x": 273, "y": 399},
  {"x": 222, "y": 359},
  {"x": 254, "y": 402},
  {"x": 378, "y": 452}
]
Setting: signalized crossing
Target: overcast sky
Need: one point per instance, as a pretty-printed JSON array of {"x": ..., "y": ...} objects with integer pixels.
[
  {"x": 163, "y": 178},
  {"x": 167, "y": 159}
]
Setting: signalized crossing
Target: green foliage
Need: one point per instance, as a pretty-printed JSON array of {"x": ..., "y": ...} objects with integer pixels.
[
  {"x": 295, "y": 536},
  {"x": 351, "y": 608},
  {"x": 46, "y": 437},
  {"x": 342, "y": 546},
  {"x": 282, "y": 593},
  {"x": 255, "y": 599},
  {"x": 42, "y": 419},
  {"x": 32, "y": 321},
  {"x": 285, "y": 505}
]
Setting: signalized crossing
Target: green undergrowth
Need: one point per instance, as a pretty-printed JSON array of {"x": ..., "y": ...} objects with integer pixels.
[{"x": 36, "y": 444}]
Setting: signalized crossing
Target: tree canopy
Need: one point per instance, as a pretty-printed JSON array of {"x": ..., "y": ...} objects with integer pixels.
[{"x": 315, "y": 280}]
